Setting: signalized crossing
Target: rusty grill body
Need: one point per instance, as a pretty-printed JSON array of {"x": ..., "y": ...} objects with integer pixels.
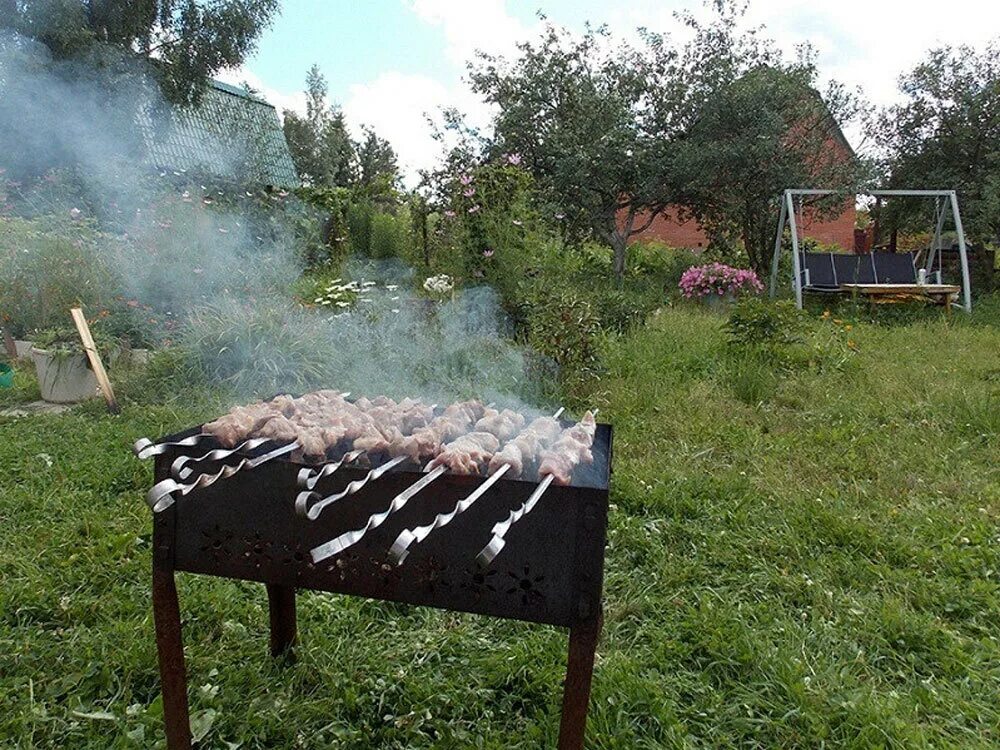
[{"x": 550, "y": 571}]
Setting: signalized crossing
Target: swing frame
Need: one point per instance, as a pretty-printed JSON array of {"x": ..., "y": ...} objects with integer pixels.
[{"x": 944, "y": 200}]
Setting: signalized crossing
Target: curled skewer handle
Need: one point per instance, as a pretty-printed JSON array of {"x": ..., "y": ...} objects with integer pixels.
[
  {"x": 312, "y": 512},
  {"x": 180, "y": 471},
  {"x": 400, "y": 548},
  {"x": 496, "y": 544},
  {"x": 309, "y": 478},
  {"x": 144, "y": 448},
  {"x": 163, "y": 493}
]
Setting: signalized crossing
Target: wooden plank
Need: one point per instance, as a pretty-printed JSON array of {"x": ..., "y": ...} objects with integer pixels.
[
  {"x": 904, "y": 288},
  {"x": 95, "y": 360}
]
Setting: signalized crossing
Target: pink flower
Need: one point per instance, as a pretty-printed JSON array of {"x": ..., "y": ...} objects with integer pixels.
[
  {"x": 488, "y": 253},
  {"x": 465, "y": 179},
  {"x": 449, "y": 213},
  {"x": 513, "y": 159},
  {"x": 469, "y": 192},
  {"x": 474, "y": 209}
]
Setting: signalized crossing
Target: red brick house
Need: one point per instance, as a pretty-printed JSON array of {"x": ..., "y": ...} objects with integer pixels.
[{"x": 670, "y": 230}]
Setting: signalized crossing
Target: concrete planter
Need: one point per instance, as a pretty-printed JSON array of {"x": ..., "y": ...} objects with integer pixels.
[
  {"x": 718, "y": 302},
  {"x": 23, "y": 349},
  {"x": 64, "y": 378}
]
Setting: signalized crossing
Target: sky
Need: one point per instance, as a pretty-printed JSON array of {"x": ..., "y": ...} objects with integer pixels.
[{"x": 392, "y": 63}]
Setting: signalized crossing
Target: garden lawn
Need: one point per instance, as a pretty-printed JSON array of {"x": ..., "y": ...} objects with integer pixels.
[{"x": 798, "y": 559}]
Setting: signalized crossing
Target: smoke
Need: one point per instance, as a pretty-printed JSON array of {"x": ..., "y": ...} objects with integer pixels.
[{"x": 226, "y": 267}]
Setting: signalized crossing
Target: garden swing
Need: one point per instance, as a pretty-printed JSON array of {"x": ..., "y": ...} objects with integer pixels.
[{"x": 879, "y": 276}]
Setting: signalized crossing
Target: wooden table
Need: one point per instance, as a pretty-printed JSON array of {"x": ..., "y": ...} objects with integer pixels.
[{"x": 939, "y": 294}]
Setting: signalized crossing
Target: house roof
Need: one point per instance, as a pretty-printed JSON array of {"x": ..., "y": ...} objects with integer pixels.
[{"x": 230, "y": 134}]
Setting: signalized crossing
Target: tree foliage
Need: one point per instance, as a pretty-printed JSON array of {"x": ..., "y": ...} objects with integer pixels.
[
  {"x": 718, "y": 126},
  {"x": 319, "y": 142},
  {"x": 757, "y": 127},
  {"x": 324, "y": 153},
  {"x": 189, "y": 40},
  {"x": 946, "y": 135},
  {"x": 593, "y": 122}
]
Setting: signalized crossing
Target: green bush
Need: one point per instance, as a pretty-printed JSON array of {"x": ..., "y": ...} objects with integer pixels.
[
  {"x": 562, "y": 325},
  {"x": 755, "y": 322},
  {"x": 359, "y": 228},
  {"x": 389, "y": 236},
  {"x": 49, "y": 265}
]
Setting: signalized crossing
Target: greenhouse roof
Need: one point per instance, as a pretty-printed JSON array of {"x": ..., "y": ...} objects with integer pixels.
[{"x": 229, "y": 134}]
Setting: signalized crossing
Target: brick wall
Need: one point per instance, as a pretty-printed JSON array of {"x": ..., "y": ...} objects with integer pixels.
[{"x": 670, "y": 230}]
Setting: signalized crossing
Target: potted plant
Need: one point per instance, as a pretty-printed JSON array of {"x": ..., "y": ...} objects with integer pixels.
[{"x": 64, "y": 374}]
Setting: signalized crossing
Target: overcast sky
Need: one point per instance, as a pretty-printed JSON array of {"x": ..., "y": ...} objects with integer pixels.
[{"x": 392, "y": 62}]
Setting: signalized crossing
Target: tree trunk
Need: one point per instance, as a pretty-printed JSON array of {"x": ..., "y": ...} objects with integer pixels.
[
  {"x": 618, "y": 237},
  {"x": 619, "y": 244}
]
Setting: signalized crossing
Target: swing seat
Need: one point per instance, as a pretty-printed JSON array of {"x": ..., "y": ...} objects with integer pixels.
[{"x": 829, "y": 272}]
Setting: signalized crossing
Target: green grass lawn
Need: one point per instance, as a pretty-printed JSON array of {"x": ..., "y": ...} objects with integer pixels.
[{"x": 801, "y": 558}]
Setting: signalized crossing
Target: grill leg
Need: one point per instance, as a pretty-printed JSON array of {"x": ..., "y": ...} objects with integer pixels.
[
  {"x": 281, "y": 607},
  {"x": 576, "y": 691},
  {"x": 170, "y": 651}
]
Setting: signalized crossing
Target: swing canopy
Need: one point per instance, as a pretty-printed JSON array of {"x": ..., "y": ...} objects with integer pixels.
[{"x": 874, "y": 273}]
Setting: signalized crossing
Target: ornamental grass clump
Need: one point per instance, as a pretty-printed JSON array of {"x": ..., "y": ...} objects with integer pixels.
[{"x": 719, "y": 280}]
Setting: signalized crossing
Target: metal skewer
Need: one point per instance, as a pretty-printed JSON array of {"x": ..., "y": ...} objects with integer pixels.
[
  {"x": 309, "y": 478},
  {"x": 348, "y": 539},
  {"x": 496, "y": 544},
  {"x": 398, "y": 551},
  {"x": 144, "y": 448},
  {"x": 161, "y": 496},
  {"x": 179, "y": 470},
  {"x": 492, "y": 549},
  {"x": 400, "y": 548},
  {"x": 312, "y": 512}
]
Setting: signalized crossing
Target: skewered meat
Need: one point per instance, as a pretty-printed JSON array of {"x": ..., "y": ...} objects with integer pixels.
[
  {"x": 237, "y": 426},
  {"x": 525, "y": 449},
  {"x": 465, "y": 454},
  {"x": 569, "y": 451},
  {"x": 465, "y": 436},
  {"x": 426, "y": 442},
  {"x": 504, "y": 424}
]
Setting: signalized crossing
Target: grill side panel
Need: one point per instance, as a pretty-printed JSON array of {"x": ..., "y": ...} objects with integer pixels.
[{"x": 550, "y": 570}]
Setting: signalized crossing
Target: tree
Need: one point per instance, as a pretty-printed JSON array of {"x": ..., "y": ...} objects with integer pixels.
[
  {"x": 946, "y": 135},
  {"x": 376, "y": 163},
  {"x": 594, "y": 122},
  {"x": 757, "y": 127},
  {"x": 188, "y": 40},
  {"x": 319, "y": 142}
]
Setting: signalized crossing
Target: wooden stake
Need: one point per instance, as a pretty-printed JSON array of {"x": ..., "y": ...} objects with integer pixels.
[
  {"x": 95, "y": 359},
  {"x": 9, "y": 345}
]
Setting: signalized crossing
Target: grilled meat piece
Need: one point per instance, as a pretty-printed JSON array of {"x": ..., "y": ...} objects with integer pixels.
[
  {"x": 465, "y": 454},
  {"x": 569, "y": 451}
]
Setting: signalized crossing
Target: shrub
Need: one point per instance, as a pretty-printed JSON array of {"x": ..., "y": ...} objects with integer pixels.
[
  {"x": 359, "y": 228},
  {"x": 389, "y": 236},
  {"x": 49, "y": 265},
  {"x": 618, "y": 311},
  {"x": 754, "y": 322},
  {"x": 562, "y": 325},
  {"x": 718, "y": 279}
]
